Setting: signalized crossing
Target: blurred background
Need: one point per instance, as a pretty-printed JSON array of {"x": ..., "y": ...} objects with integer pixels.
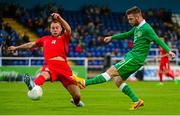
[{"x": 90, "y": 20}]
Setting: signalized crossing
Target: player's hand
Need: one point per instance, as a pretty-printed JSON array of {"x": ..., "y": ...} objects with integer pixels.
[
  {"x": 172, "y": 54},
  {"x": 12, "y": 48},
  {"x": 107, "y": 39},
  {"x": 55, "y": 16}
]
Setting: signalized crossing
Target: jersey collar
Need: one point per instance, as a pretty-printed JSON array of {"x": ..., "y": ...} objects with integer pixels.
[{"x": 141, "y": 24}]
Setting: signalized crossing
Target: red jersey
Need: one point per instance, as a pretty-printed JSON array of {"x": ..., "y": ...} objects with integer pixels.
[
  {"x": 162, "y": 53},
  {"x": 54, "y": 46}
]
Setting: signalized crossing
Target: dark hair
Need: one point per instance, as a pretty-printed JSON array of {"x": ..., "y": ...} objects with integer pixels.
[{"x": 133, "y": 10}]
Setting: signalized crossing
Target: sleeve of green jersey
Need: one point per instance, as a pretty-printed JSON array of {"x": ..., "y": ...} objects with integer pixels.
[
  {"x": 124, "y": 35},
  {"x": 155, "y": 38}
]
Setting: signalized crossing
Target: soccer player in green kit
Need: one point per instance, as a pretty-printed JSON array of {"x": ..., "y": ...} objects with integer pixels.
[{"x": 143, "y": 36}]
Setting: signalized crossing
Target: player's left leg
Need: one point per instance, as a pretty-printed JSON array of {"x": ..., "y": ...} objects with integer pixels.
[
  {"x": 127, "y": 90},
  {"x": 168, "y": 70},
  {"x": 71, "y": 85},
  {"x": 75, "y": 93},
  {"x": 124, "y": 69},
  {"x": 169, "y": 73}
]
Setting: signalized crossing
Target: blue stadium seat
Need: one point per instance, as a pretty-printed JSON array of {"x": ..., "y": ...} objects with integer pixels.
[{"x": 15, "y": 62}]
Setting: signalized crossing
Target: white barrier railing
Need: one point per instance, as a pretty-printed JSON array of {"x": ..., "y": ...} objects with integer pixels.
[
  {"x": 86, "y": 60},
  {"x": 42, "y": 58}
]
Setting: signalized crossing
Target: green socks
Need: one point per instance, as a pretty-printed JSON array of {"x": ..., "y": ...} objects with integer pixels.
[
  {"x": 105, "y": 77},
  {"x": 128, "y": 91},
  {"x": 98, "y": 79}
]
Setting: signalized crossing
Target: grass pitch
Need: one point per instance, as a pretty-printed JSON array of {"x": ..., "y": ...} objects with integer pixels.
[{"x": 102, "y": 99}]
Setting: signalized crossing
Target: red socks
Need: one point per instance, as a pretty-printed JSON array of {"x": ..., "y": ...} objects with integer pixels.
[
  {"x": 39, "y": 80},
  {"x": 160, "y": 77}
]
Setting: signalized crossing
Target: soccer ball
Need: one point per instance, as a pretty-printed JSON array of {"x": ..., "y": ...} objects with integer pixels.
[{"x": 35, "y": 93}]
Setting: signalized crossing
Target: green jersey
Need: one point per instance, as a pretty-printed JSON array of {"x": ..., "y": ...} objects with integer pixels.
[{"x": 143, "y": 36}]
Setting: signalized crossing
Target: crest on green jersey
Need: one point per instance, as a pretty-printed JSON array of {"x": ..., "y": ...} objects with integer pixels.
[{"x": 139, "y": 33}]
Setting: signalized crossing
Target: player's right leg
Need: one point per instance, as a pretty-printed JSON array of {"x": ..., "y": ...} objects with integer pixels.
[
  {"x": 29, "y": 82},
  {"x": 82, "y": 83},
  {"x": 40, "y": 79}
]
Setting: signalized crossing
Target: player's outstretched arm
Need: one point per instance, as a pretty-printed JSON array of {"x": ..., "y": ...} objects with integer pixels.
[
  {"x": 107, "y": 39},
  {"x": 66, "y": 26},
  {"x": 124, "y": 35},
  {"x": 23, "y": 46}
]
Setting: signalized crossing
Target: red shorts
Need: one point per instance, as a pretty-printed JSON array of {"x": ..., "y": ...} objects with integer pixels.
[
  {"x": 164, "y": 66},
  {"x": 59, "y": 70}
]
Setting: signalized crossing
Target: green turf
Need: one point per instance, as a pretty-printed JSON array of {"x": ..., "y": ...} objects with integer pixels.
[{"x": 102, "y": 99}]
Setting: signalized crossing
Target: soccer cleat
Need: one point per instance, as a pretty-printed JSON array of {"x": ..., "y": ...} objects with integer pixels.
[
  {"x": 136, "y": 105},
  {"x": 80, "y": 104},
  {"x": 28, "y": 81},
  {"x": 80, "y": 81},
  {"x": 160, "y": 84}
]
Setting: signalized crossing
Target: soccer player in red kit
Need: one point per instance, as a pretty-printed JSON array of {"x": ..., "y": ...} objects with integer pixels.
[
  {"x": 164, "y": 67},
  {"x": 56, "y": 68}
]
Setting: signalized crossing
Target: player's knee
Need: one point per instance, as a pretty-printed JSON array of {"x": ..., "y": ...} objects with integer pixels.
[
  {"x": 117, "y": 80},
  {"x": 46, "y": 75},
  {"x": 112, "y": 72}
]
